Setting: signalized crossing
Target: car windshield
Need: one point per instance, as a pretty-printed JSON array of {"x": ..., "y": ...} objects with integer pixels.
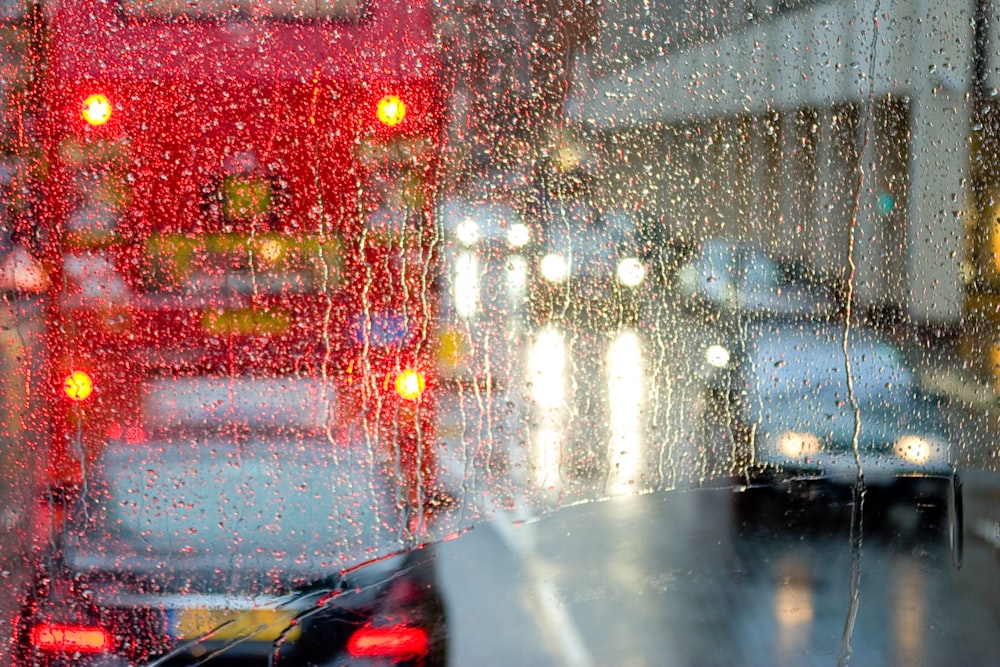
[{"x": 449, "y": 332}]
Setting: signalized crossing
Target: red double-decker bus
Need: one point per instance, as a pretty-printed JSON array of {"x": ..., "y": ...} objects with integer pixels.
[{"x": 237, "y": 199}]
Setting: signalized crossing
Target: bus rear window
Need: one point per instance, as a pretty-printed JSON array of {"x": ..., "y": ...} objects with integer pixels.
[{"x": 243, "y": 9}]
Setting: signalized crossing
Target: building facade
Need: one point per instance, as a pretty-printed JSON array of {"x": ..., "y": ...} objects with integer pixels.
[{"x": 830, "y": 131}]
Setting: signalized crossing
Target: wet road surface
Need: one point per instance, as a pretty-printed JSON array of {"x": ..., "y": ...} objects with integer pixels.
[{"x": 672, "y": 579}]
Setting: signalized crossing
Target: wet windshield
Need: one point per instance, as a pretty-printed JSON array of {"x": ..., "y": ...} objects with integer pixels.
[{"x": 497, "y": 332}]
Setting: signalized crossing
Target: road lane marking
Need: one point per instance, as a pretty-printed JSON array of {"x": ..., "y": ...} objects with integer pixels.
[
  {"x": 987, "y": 531},
  {"x": 552, "y": 610}
]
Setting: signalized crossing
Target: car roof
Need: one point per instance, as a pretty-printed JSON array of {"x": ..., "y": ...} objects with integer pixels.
[{"x": 797, "y": 356}]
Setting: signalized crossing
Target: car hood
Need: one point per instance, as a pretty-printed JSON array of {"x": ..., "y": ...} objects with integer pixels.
[{"x": 903, "y": 435}]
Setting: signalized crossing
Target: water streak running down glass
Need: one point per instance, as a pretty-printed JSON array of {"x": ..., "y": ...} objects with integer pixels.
[{"x": 494, "y": 332}]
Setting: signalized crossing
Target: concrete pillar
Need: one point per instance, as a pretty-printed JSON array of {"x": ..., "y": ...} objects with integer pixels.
[
  {"x": 869, "y": 253},
  {"x": 939, "y": 187},
  {"x": 788, "y": 183},
  {"x": 939, "y": 169},
  {"x": 833, "y": 203}
]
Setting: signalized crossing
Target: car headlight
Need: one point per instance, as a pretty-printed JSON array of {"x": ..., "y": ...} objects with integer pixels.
[
  {"x": 631, "y": 272},
  {"x": 467, "y": 232},
  {"x": 554, "y": 268},
  {"x": 518, "y": 235},
  {"x": 717, "y": 356},
  {"x": 914, "y": 449},
  {"x": 687, "y": 276},
  {"x": 797, "y": 445}
]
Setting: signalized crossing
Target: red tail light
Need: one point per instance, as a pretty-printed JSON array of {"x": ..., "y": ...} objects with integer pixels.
[
  {"x": 78, "y": 386},
  {"x": 394, "y": 642},
  {"x": 96, "y": 110},
  {"x": 390, "y": 110},
  {"x": 70, "y": 638},
  {"x": 410, "y": 384}
]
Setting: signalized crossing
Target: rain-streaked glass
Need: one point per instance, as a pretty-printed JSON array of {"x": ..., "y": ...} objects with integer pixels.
[{"x": 451, "y": 332}]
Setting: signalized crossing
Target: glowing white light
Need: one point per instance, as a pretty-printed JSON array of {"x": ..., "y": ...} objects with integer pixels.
[
  {"x": 717, "y": 356},
  {"x": 796, "y": 445},
  {"x": 631, "y": 272},
  {"x": 546, "y": 372},
  {"x": 518, "y": 235},
  {"x": 467, "y": 232},
  {"x": 913, "y": 448},
  {"x": 466, "y": 285},
  {"x": 554, "y": 268},
  {"x": 546, "y": 368},
  {"x": 625, "y": 410}
]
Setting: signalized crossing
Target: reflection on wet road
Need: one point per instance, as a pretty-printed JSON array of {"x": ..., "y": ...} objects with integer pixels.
[
  {"x": 590, "y": 413},
  {"x": 674, "y": 579}
]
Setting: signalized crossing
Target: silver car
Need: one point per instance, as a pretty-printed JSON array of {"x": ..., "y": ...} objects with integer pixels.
[{"x": 810, "y": 410}]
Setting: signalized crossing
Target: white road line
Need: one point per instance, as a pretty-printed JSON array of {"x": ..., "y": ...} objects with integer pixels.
[
  {"x": 552, "y": 610},
  {"x": 987, "y": 531}
]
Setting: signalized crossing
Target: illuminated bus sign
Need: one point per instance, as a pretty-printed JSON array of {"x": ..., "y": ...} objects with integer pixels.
[
  {"x": 241, "y": 264},
  {"x": 244, "y": 197}
]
